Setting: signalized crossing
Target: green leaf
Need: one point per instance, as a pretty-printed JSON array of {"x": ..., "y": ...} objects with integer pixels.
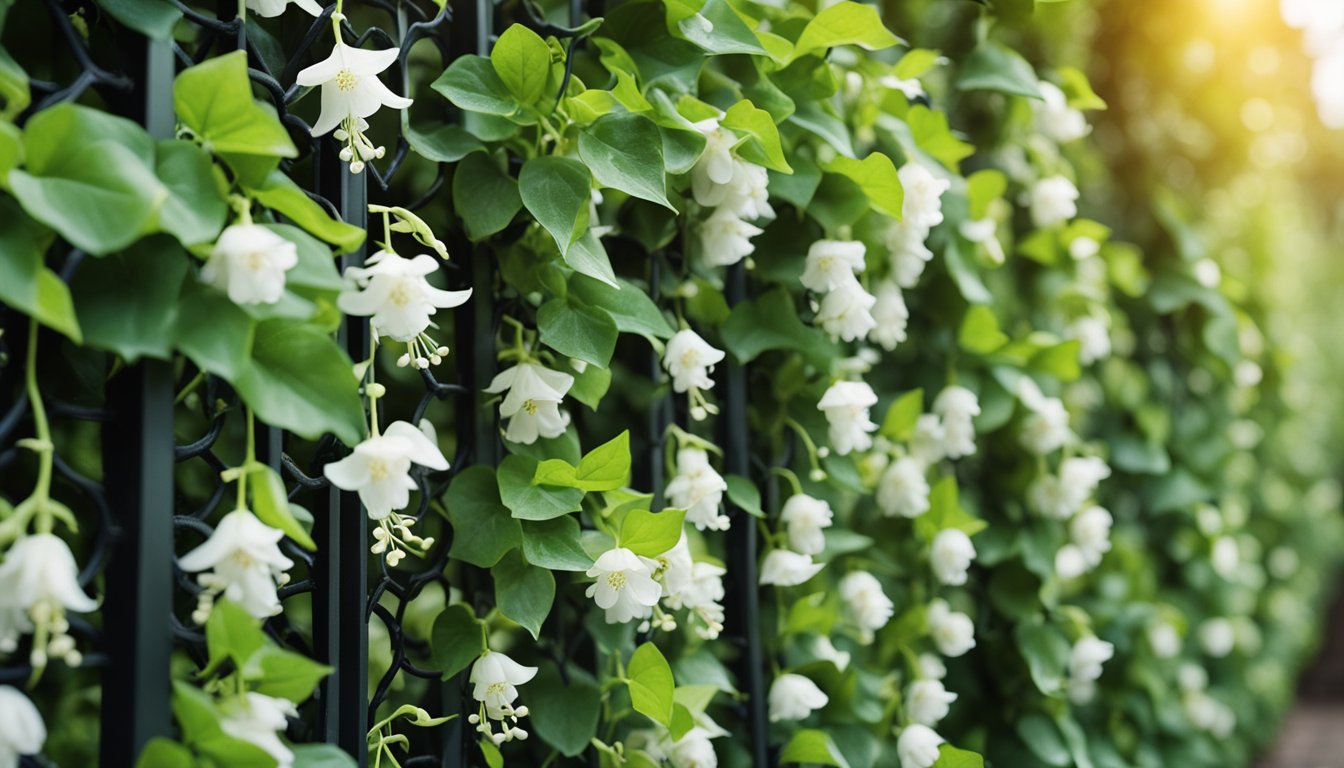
[
  {"x": 523, "y": 592},
  {"x": 758, "y": 136},
  {"x": 472, "y": 83},
  {"x": 587, "y": 257},
  {"x": 718, "y": 29},
  {"x": 527, "y": 501},
  {"x": 578, "y": 330},
  {"x": 591, "y": 385},
  {"x": 845, "y": 23},
  {"x": 931, "y": 133},
  {"x": 443, "y": 144},
  {"x": 965, "y": 273},
  {"x": 557, "y": 190},
  {"x": 484, "y": 195},
  {"x": 555, "y": 544},
  {"x": 270, "y": 502},
  {"x": 651, "y": 685},
  {"x": 1043, "y": 739},
  {"x": 302, "y": 381},
  {"x": 744, "y": 495},
  {"x": 899, "y": 423},
  {"x": 915, "y": 62},
  {"x": 214, "y": 332},
  {"x": 231, "y": 633},
  {"x": 274, "y": 671},
  {"x": 286, "y": 197},
  {"x": 493, "y": 757},
  {"x": 606, "y": 467},
  {"x": 523, "y": 61},
  {"x": 26, "y": 284},
  {"x": 15, "y": 96},
  {"x": 682, "y": 722},
  {"x": 765, "y": 323},
  {"x": 194, "y": 211},
  {"x": 555, "y": 472},
  {"x": 625, "y": 151},
  {"x": 1059, "y": 360},
  {"x": 152, "y": 18},
  {"x": 1046, "y": 652},
  {"x": 483, "y": 529},
  {"x": 945, "y": 511},
  {"x": 650, "y": 534},
  {"x": 164, "y": 753},
  {"x": 982, "y": 188},
  {"x": 214, "y": 101},
  {"x": 321, "y": 756},
  {"x": 1078, "y": 90},
  {"x": 629, "y": 306},
  {"x": 876, "y": 176},
  {"x": 456, "y": 640},
  {"x": 994, "y": 67},
  {"x": 812, "y": 747},
  {"x": 951, "y": 757},
  {"x": 565, "y": 716},
  {"x": 979, "y": 332},
  {"x": 316, "y": 268}
]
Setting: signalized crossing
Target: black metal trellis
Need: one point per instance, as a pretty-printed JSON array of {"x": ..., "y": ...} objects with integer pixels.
[{"x": 135, "y": 540}]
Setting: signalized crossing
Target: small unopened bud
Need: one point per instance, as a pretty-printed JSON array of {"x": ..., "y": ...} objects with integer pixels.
[
  {"x": 473, "y": 718},
  {"x": 357, "y": 167},
  {"x": 823, "y": 452},
  {"x": 817, "y": 475},
  {"x": 404, "y": 360},
  {"x": 375, "y": 390},
  {"x": 346, "y": 155},
  {"x": 698, "y": 413},
  {"x": 442, "y": 350},
  {"x": 521, "y": 711}
]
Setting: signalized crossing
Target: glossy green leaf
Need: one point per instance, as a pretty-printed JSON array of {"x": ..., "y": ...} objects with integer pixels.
[
  {"x": 483, "y": 528},
  {"x": 270, "y": 503},
  {"x": 812, "y": 747},
  {"x": 845, "y": 23},
  {"x": 876, "y": 176},
  {"x": 457, "y": 640},
  {"x": 522, "y": 60},
  {"x": 565, "y": 716},
  {"x": 625, "y": 152},
  {"x": 274, "y": 671},
  {"x": 283, "y": 195},
  {"x": 579, "y": 330},
  {"x": 555, "y": 544},
  {"x": 557, "y": 190},
  {"x": 994, "y": 67},
  {"x": 523, "y": 592},
  {"x": 26, "y": 284},
  {"x": 527, "y": 501},
  {"x": 484, "y": 195},
  {"x": 979, "y": 332},
  {"x": 214, "y": 101},
  {"x": 744, "y": 494},
  {"x": 472, "y": 83},
  {"x": 650, "y": 534},
  {"x": 628, "y": 304},
  {"x": 650, "y": 682},
  {"x": 759, "y": 135},
  {"x": 904, "y": 411}
]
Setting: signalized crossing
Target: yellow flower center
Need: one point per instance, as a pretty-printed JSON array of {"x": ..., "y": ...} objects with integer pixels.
[
  {"x": 242, "y": 559},
  {"x": 346, "y": 80},
  {"x": 495, "y": 689},
  {"x": 530, "y": 406},
  {"x": 378, "y": 470},
  {"x": 616, "y": 580},
  {"x": 254, "y": 260},
  {"x": 401, "y": 294}
]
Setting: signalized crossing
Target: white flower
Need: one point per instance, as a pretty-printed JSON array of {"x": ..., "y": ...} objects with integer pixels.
[
  {"x": 1056, "y": 119},
  {"x": 496, "y": 678},
  {"x": 1053, "y": 201},
  {"x": 922, "y": 206},
  {"x": 1083, "y": 248},
  {"x": 1046, "y": 428},
  {"x": 931, "y": 667},
  {"x": 1164, "y": 640},
  {"x": 693, "y": 750},
  {"x": 827, "y": 651},
  {"x": 1208, "y": 714},
  {"x": 380, "y": 468},
  {"x": 746, "y": 195},
  {"x": 917, "y": 746},
  {"x": 1070, "y": 562},
  {"x": 928, "y": 701},
  {"x": 951, "y": 555},
  {"x": 1094, "y": 340},
  {"x": 1063, "y": 496},
  {"x": 625, "y": 588},
  {"x": 271, "y": 8},
  {"x": 1085, "y": 660},
  {"x": 690, "y": 359},
  {"x": 259, "y": 720},
  {"x": 1082, "y": 474},
  {"x": 794, "y": 697},
  {"x": 905, "y": 241},
  {"x": 249, "y": 263},
  {"x": 697, "y": 586},
  {"x": 1225, "y": 557},
  {"x": 1217, "y": 637},
  {"x": 246, "y": 562},
  {"x": 22, "y": 731},
  {"x": 788, "y": 569},
  {"x": 715, "y": 168},
  {"x": 351, "y": 90},
  {"x": 865, "y": 603},
  {"x": 846, "y": 312},
  {"x": 956, "y": 407},
  {"x": 891, "y": 316},
  {"x": 725, "y": 239},
  {"x": 805, "y": 518},
  {"x": 927, "y": 441},
  {"x": 39, "y": 582},
  {"x": 911, "y": 87},
  {"x": 831, "y": 264},
  {"x": 394, "y": 293},
  {"x": 698, "y": 489},
  {"x": 984, "y": 232},
  {"x": 532, "y": 404},
  {"x": 846, "y": 405},
  {"x": 1091, "y": 532},
  {"x": 952, "y": 631}
]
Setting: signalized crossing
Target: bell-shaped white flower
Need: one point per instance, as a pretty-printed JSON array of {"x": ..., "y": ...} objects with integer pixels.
[
  {"x": 748, "y": 194},
  {"x": 380, "y": 468},
  {"x": 794, "y": 697},
  {"x": 783, "y": 568},
  {"x": 930, "y": 666},
  {"x": 725, "y": 239},
  {"x": 495, "y": 679},
  {"x": 1056, "y": 119},
  {"x": 244, "y": 562},
  {"x": 1094, "y": 339},
  {"x": 909, "y": 254},
  {"x": 351, "y": 89},
  {"x": 910, "y": 87},
  {"x": 846, "y": 312},
  {"x": 1090, "y": 531},
  {"x": 953, "y": 632},
  {"x": 268, "y": 9},
  {"x": 918, "y": 746},
  {"x": 831, "y": 264},
  {"x": 927, "y": 701},
  {"x": 1046, "y": 428},
  {"x": 532, "y": 405},
  {"x": 1070, "y": 562},
  {"x": 1085, "y": 660},
  {"x": 1053, "y": 201},
  {"x": 866, "y": 605},
  {"x": 805, "y": 518},
  {"x": 693, "y": 750},
  {"x": 249, "y": 262},
  {"x": 826, "y": 651},
  {"x": 39, "y": 582},
  {"x": 890, "y": 315},
  {"x": 922, "y": 205},
  {"x": 984, "y": 232},
  {"x": 22, "y": 730},
  {"x": 624, "y": 585},
  {"x": 846, "y": 405},
  {"x": 956, "y": 407},
  {"x": 951, "y": 555},
  {"x": 903, "y": 489},
  {"x": 714, "y": 170},
  {"x": 392, "y": 291},
  {"x": 927, "y": 442},
  {"x": 697, "y": 586},
  {"x": 259, "y": 720},
  {"x": 698, "y": 489},
  {"x": 690, "y": 359}
]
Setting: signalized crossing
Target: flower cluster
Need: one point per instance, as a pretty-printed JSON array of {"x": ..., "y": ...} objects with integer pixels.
[{"x": 736, "y": 192}]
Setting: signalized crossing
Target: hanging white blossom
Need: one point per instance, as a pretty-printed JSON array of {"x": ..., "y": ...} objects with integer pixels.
[
  {"x": 495, "y": 679},
  {"x": 379, "y": 468},
  {"x": 951, "y": 555},
  {"x": 624, "y": 585},
  {"x": 39, "y": 582},
  {"x": 922, "y": 206},
  {"x": 955, "y": 407},
  {"x": 1053, "y": 201},
  {"x": 1094, "y": 339},
  {"x": 783, "y": 568},
  {"x": 532, "y": 405},
  {"x": 831, "y": 264},
  {"x": 890, "y": 315},
  {"x": 690, "y": 360},
  {"x": 1085, "y": 660},
  {"x": 698, "y": 489},
  {"x": 846, "y": 405},
  {"x": 1056, "y": 119},
  {"x": 1090, "y": 531},
  {"x": 903, "y": 489},
  {"x": 909, "y": 254},
  {"x": 725, "y": 239},
  {"x": 351, "y": 92},
  {"x": 249, "y": 262},
  {"x": 952, "y": 631},
  {"x": 846, "y": 312},
  {"x": 269, "y": 9},
  {"x": 1046, "y": 428},
  {"x": 394, "y": 293},
  {"x": 804, "y": 519},
  {"x": 917, "y": 746},
  {"x": 866, "y": 605},
  {"x": 927, "y": 702},
  {"x": 794, "y": 697},
  {"x": 22, "y": 730},
  {"x": 259, "y": 720},
  {"x": 244, "y": 564}
]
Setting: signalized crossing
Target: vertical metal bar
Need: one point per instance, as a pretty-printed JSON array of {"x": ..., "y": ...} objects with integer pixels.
[
  {"x": 137, "y": 447},
  {"x": 339, "y": 603},
  {"x": 742, "y": 606}
]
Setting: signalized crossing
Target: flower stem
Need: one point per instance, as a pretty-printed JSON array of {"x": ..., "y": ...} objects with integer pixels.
[
  {"x": 42, "y": 446},
  {"x": 249, "y": 458},
  {"x": 189, "y": 388}
]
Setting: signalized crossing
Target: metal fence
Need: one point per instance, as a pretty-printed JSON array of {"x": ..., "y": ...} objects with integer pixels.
[{"x": 143, "y": 463}]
